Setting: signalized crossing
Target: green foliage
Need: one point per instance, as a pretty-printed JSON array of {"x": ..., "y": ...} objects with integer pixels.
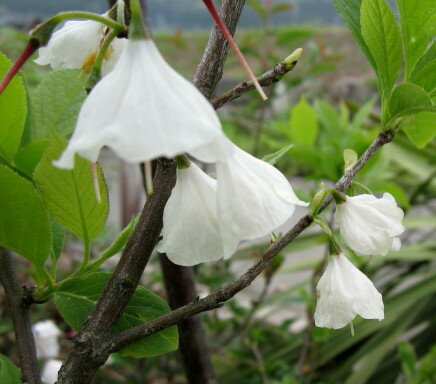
[
  {"x": 76, "y": 297},
  {"x": 424, "y": 70},
  {"x": 304, "y": 124},
  {"x": 24, "y": 223},
  {"x": 421, "y": 128},
  {"x": 29, "y": 156},
  {"x": 418, "y": 27},
  {"x": 54, "y": 105},
  {"x": 382, "y": 36},
  {"x": 13, "y": 109},
  {"x": 9, "y": 373},
  {"x": 69, "y": 195},
  {"x": 408, "y": 99}
]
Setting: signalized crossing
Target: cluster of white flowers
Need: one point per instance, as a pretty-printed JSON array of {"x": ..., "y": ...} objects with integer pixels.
[
  {"x": 369, "y": 226},
  {"x": 143, "y": 109}
]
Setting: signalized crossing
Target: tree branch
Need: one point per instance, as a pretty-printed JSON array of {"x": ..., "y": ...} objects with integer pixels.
[
  {"x": 91, "y": 345},
  {"x": 220, "y": 296},
  {"x": 181, "y": 289},
  {"x": 210, "y": 69},
  {"x": 272, "y": 76},
  {"x": 19, "y": 306}
]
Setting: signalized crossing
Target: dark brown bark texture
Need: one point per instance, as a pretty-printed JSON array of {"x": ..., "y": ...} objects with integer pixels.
[
  {"x": 19, "y": 302},
  {"x": 181, "y": 289}
]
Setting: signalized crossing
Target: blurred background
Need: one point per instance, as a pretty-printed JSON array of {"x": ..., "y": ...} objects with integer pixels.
[{"x": 327, "y": 104}]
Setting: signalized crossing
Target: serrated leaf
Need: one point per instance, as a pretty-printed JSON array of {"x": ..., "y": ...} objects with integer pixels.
[
  {"x": 55, "y": 105},
  {"x": 28, "y": 157},
  {"x": 24, "y": 223},
  {"x": 274, "y": 157},
  {"x": 382, "y": 36},
  {"x": 349, "y": 10},
  {"x": 9, "y": 372},
  {"x": 408, "y": 99},
  {"x": 76, "y": 297},
  {"x": 418, "y": 27},
  {"x": 69, "y": 195},
  {"x": 421, "y": 128},
  {"x": 13, "y": 110},
  {"x": 304, "y": 123}
]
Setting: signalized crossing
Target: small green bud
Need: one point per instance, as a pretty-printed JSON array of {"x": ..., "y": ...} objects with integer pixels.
[
  {"x": 292, "y": 59},
  {"x": 350, "y": 159}
]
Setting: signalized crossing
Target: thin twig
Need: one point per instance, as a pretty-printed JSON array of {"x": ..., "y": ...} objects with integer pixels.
[
  {"x": 272, "y": 76},
  {"x": 217, "y": 298},
  {"x": 19, "y": 303}
]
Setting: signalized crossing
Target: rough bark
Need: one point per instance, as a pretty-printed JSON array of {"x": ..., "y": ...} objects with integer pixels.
[
  {"x": 181, "y": 289},
  {"x": 19, "y": 301}
]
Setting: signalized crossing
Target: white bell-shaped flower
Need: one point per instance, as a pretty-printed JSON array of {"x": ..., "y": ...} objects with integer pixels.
[
  {"x": 143, "y": 109},
  {"x": 254, "y": 198},
  {"x": 370, "y": 225},
  {"x": 344, "y": 292},
  {"x": 50, "y": 371},
  {"x": 76, "y": 45},
  {"x": 46, "y": 339},
  {"x": 191, "y": 229}
]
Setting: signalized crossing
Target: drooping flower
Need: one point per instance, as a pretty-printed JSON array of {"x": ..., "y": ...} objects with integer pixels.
[
  {"x": 370, "y": 226},
  {"x": 76, "y": 45},
  {"x": 50, "y": 371},
  {"x": 191, "y": 229},
  {"x": 46, "y": 339},
  {"x": 143, "y": 109},
  {"x": 254, "y": 198},
  {"x": 344, "y": 292}
]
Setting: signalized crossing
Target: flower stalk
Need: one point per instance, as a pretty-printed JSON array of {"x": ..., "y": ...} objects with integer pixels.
[{"x": 225, "y": 31}]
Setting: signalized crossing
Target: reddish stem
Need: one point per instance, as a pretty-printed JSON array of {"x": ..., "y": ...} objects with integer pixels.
[
  {"x": 232, "y": 43},
  {"x": 27, "y": 52}
]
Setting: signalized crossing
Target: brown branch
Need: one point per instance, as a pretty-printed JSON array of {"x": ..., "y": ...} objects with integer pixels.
[
  {"x": 19, "y": 306},
  {"x": 219, "y": 297},
  {"x": 272, "y": 76},
  {"x": 210, "y": 69},
  {"x": 91, "y": 345},
  {"x": 181, "y": 289}
]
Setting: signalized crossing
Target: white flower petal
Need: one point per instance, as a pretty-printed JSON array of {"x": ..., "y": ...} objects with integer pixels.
[
  {"x": 70, "y": 46},
  {"x": 46, "y": 335},
  {"x": 115, "y": 50},
  {"x": 191, "y": 229},
  {"x": 50, "y": 371},
  {"x": 143, "y": 109},
  {"x": 343, "y": 293},
  {"x": 369, "y": 225},
  {"x": 254, "y": 198}
]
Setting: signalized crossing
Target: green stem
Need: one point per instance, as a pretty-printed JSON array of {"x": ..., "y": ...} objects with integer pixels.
[
  {"x": 95, "y": 74},
  {"x": 90, "y": 16},
  {"x": 86, "y": 257}
]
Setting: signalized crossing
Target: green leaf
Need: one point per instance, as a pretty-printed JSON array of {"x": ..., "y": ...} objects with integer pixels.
[
  {"x": 350, "y": 13},
  {"x": 9, "y": 373},
  {"x": 408, "y": 358},
  {"x": 257, "y": 6},
  {"x": 58, "y": 238},
  {"x": 76, "y": 297},
  {"x": 424, "y": 70},
  {"x": 28, "y": 157},
  {"x": 282, "y": 7},
  {"x": 55, "y": 104},
  {"x": 24, "y": 223},
  {"x": 13, "y": 110},
  {"x": 69, "y": 196},
  {"x": 304, "y": 123},
  {"x": 350, "y": 158},
  {"x": 408, "y": 99},
  {"x": 274, "y": 157},
  {"x": 382, "y": 36},
  {"x": 418, "y": 26},
  {"x": 421, "y": 128}
]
